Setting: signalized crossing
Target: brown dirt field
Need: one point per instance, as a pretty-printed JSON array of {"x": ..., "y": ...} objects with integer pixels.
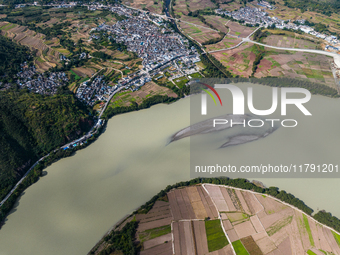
[
  {"x": 243, "y": 202},
  {"x": 186, "y": 198},
  {"x": 236, "y": 28},
  {"x": 232, "y": 235},
  {"x": 157, "y": 241},
  {"x": 227, "y": 225},
  {"x": 199, "y": 210},
  {"x": 154, "y": 224},
  {"x": 244, "y": 229},
  {"x": 216, "y": 195},
  {"x": 289, "y": 42},
  {"x": 186, "y": 235},
  {"x": 314, "y": 231},
  {"x": 285, "y": 247},
  {"x": 324, "y": 245},
  {"x": 162, "y": 249},
  {"x": 85, "y": 71},
  {"x": 160, "y": 210},
  {"x": 259, "y": 236},
  {"x": 208, "y": 204},
  {"x": 332, "y": 242},
  {"x": 228, "y": 200},
  {"x": 270, "y": 205},
  {"x": 251, "y": 246},
  {"x": 303, "y": 232},
  {"x": 253, "y": 204},
  {"x": 196, "y": 202},
  {"x": 280, "y": 235},
  {"x": 200, "y": 237},
  {"x": 214, "y": 192},
  {"x": 18, "y": 29},
  {"x": 174, "y": 206},
  {"x": 224, "y": 216},
  {"x": 257, "y": 224},
  {"x": 218, "y": 22},
  {"x": 227, "y": 250},
  {"x": 193, "y": 194},
  {"x": 295, "y": 239},
  {"x": 227, "y": 42},
  {"x": 270, "y": 219},
  {"x": 200, "y": 4},
  {"x": 266, "y": 245},
  {"x": 221, "y": 205},
  {"x": 275, "y": 252},
  {"x": 177, "y": 244},
  {"x": 19, "y": 37},
  {"x": 144, "y": 218},
  {"x": 181, "y": 204}
]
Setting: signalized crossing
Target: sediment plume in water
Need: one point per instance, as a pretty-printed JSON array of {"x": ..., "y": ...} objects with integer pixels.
[{"x": 244, "y": 134}]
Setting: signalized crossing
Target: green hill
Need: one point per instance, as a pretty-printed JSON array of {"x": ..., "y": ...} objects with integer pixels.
[{"x": 32, "y": 125}]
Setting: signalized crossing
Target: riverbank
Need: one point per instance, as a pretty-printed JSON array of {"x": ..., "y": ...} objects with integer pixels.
[{"x": 104, "y": 246}]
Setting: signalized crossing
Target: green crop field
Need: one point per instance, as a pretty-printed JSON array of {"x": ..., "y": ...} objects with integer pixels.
[
  {"x": 155, "y": 232},
  {"x": 306, "y": 223},
  {"x": 337, "y": 237},
  {"x": 309, "y": 252},
  {"x": 239, "y": 248},
  {"x": 216, "y": 238}
]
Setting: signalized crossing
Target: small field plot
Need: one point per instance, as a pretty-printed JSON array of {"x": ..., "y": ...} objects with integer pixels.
[
  {"x": 155, "y": 232},
  {"x": 238, "y": 30},
  {"x": 226, "y": 43},
  {"x": 289, "y": 42},
  {"x": 300, "y": 65},
  {"x": 237, "y": 216},
  {"x": 200, "y": 4},
  {"x": 239, "y": 248},
  {"x": 215, "y": 236},
  {"x": 200, "y": 33},
  {"x": 180, "y": 8},
  {"x": 218, "y": 22},
  {"x": 230, "y": 5},
  {"x": 149, "y": 89},
  {"x": 238, "y": 61},
  {"x": 251, "y": 246}
]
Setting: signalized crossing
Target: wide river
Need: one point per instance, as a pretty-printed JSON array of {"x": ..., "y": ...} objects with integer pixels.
[{"x": 81, "y": 197}]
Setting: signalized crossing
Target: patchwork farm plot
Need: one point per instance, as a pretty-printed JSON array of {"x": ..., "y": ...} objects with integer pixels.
[
  {"x": 239, "y": 60},
  {"x": 149, "y": 89},
  {"x": 216, "y": 219},
  {"x": 199, "y": 34},
  {"x": 195, "y": 5},
  {"x": 218, "y": 22},
  {"x": 289, "y": 64},
  {"x": 180, "y": 8},
  {"x": 235, "y": 29},
  {"x": 152, "y": 6},
  {"x": 289, "y": 42},
  {"x": 314, "y": 67}
]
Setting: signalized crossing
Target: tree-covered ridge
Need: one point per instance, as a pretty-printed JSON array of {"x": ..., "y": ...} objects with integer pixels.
[
  {"x": 324, "y": 7},
  {"x": 11, "y": 56},
  {"x": 32, "y": 125}
]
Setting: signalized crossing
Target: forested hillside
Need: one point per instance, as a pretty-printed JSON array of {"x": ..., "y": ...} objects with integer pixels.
[
  {"x": 11, "y": 56},
  {"x": 326, "y": 7},
  {"x": 32, "y": 125}
]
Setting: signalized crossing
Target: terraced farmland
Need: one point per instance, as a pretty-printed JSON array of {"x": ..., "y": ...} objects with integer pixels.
[{"x": 215, "y": 219}]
